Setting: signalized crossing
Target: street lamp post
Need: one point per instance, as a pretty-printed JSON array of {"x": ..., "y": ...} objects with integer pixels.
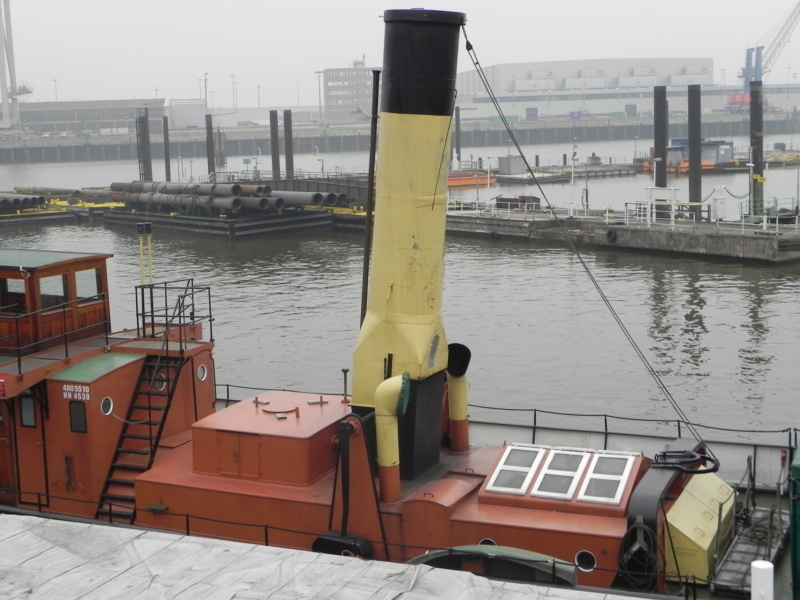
[
  {"x": 233, "y": 90},
  {"x": 55, "y": 86},
  {"x": 574, "y": 160},
  {"x": 258, "y": 89},
  {"x": 205, "y": 88}
]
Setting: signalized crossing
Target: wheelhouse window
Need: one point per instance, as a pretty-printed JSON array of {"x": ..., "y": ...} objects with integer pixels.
[
  {"x": 88, "y": 284},
  {"x": 77, "y": 416},
  {"x": 27, "y": 410},
  {"x": 53, "y": 290},
  {"x": 12, "y": 296}
]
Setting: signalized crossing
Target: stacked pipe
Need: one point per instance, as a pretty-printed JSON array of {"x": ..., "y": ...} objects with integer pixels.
[
  {"x": 20, "y": 201},
  {"x": 232, "y": 197}
]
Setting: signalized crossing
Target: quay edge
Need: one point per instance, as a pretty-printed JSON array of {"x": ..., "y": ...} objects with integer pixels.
[{"x": 706, "y": 239}]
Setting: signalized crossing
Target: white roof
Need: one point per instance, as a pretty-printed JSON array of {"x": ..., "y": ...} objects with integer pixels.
[{"x": 45, "y": 558}]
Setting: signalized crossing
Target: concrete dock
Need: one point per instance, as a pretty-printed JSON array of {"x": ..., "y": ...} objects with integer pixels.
[{"x": 773, "y": 242}]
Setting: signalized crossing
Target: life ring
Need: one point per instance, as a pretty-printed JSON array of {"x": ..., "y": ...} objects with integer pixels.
[{"x": 611, "y": 235}]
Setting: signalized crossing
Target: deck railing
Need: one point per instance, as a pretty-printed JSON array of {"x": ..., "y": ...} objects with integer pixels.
[
  {"x": 25, "y": 335},
  {"x": 170, "y": 306}
]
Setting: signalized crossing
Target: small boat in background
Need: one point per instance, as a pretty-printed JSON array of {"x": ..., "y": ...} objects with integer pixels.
[{"x": 470, "y": 178}]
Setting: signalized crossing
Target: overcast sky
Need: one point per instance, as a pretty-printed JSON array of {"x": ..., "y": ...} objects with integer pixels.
[{"x": 113, "y": 49}]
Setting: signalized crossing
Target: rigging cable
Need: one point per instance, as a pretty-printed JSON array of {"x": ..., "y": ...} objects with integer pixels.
[{"x": 639, "y": 352}]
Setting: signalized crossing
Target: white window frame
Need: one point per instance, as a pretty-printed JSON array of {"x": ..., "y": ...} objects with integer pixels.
[
  {"x": 576, "y": 475},
  {"x": 501, "y": 466},
  {"x": 622, "y": 479}
]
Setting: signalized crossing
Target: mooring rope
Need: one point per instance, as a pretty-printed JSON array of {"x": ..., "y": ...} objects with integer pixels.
[{"x": 637, "y": 350}]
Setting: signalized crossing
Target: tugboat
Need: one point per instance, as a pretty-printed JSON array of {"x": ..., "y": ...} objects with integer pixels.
[{"x": 121, "y": 427}]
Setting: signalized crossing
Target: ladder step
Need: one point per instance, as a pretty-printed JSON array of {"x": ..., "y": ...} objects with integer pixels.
[
  {"x": 136, "y": 436},
  {"x": 117, "y": 481},
  {"x": 144, "y": 423},
  {"x": 148, "y": 407},
  {"x": 115, "y": 515},
  {"x": 107, "y": 496},
  {"x": 129, "y": 467},
  {"x": 132, "y": 451}
]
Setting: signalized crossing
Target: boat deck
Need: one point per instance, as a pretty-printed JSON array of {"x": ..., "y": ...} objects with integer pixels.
[{"x": 733, "y": 573}]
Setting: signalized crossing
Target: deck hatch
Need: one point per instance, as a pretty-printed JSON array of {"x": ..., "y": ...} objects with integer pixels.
[{"x": 516, "y": 469}]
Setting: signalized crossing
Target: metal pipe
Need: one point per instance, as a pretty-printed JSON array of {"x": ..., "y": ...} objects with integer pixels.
[
  {"x": 330, "y": 199},
  {"x": 233, "y": 203},
  {"x": 38, "y": 191},
  {"x": 276, "y": 203},
  {"x": 255, "y": 190},
  {"x": 341, "y": 200},
  {"x": 300, "y": 198},
  {"x": 373, "y": 139},
  {"x": 254, "y": 203}
]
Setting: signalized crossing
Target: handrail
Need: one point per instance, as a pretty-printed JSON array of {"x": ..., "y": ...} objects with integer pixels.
[
  {"x": 20, "y": 349},
  {"x": 171, "y": 304}
]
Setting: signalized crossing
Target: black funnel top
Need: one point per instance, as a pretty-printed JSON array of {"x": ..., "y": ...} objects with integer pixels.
[{"x": 420, "y": 57}]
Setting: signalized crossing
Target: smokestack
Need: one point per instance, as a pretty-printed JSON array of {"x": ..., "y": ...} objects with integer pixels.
[{"x": 402, "y": 330}]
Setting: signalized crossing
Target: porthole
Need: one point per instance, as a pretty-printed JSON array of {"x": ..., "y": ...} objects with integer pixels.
[
  {"x": 202, "y": 372},
  {"x": 160, "y": 382},
  {"x": 585, "y": 561},
  {"x": 106, "y": 406},
  {"x": 487, "y": 542}
]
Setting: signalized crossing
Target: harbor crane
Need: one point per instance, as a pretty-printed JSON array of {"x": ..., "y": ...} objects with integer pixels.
[{"x": 758, "y": 62}]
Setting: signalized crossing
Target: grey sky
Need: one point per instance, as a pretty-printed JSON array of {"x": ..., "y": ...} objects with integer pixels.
[{"x": 101, "y": 49}]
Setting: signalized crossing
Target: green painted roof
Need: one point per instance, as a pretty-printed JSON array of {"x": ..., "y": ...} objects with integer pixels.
[
  {"x": 93, "y": 368},
  {"x": 31, "y": 259}
]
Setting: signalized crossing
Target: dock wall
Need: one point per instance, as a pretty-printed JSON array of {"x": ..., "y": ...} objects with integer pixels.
[{"x": 246, "y": 141}]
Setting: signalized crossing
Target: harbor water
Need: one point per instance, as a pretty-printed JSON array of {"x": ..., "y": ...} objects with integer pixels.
[{"x": 719, "y": 333}]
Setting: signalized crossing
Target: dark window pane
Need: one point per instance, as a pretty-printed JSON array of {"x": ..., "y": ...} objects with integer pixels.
[
  {"x": 607, "y": 465},
  {"x": 510, "y": 479},
  {"x": 520, "y": 458},
  {"x": 565, "y": 462},
  {"x": 555, "y": 484},
  {"x": 77, "y": 416},
  {"x": 602, "y": 488},
  {"x": 27, "y": 409}
]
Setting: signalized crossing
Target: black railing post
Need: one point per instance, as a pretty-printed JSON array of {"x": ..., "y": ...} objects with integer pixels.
[
  {"x": 66, "y": 333},
  {"x": 19, "y": 348}
]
